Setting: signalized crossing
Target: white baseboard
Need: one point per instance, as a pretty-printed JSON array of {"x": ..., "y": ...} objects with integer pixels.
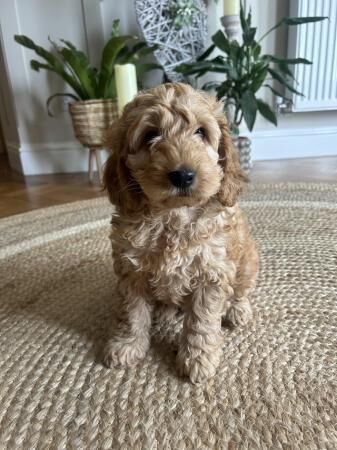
[
  {"x": 293, "y": 143},
  {"x": 14, "y": 156},
  {"x": 38, "y": 159},
  {"x": 68, "y": 157}
]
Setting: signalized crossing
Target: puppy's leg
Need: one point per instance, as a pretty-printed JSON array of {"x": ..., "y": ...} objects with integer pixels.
[
  {"x": 131, "y": 338},
  {"x": 240, "y": 312},
  {"x": 200, "y": 348}
]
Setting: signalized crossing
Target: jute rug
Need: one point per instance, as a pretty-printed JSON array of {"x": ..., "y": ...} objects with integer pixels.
[{"x": 275, "y": 389}]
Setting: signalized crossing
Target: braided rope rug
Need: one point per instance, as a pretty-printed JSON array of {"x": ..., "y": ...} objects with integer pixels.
[{"x": 275, "y": 388}]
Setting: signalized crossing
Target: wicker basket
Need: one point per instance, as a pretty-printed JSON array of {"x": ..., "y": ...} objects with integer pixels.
[
  {"x": 243, "y": 144},
  {"x": 91, "y": 118}
]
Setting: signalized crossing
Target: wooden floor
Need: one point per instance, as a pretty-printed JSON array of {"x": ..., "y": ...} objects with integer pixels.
[{"x": 20, "y": 194}]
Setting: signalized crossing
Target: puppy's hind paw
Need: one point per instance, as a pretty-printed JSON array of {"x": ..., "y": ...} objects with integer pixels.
[
  {"x": 119, "y": 353},
  {"x": 240, "y": 312}
]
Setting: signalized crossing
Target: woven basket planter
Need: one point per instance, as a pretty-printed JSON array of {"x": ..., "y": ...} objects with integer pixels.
[
  {"x": 243, "y": 144},
  {"x": 91, "y": 119}
]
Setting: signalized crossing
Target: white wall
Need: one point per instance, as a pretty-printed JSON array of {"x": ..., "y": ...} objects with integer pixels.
[{"x": 40, "y": 144}]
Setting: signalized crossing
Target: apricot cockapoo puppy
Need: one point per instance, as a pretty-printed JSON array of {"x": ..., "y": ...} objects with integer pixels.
[{"x": 178, "y": 236}]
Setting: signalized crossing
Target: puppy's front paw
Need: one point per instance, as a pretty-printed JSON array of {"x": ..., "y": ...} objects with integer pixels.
[
  {"x": 198, "y": 365},
  {"x": 119, "y": 353},
  {"x": 240, "y": 312}
]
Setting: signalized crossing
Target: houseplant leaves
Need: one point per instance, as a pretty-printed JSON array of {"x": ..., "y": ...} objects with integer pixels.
[
  {"x": 74, "y": 67},
  {"x": 246, "y": 70}
]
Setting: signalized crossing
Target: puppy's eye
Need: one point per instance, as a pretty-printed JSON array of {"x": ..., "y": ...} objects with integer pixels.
[
  {"x": 151, "y": 135},
  {"x": 201, "y": 132}
]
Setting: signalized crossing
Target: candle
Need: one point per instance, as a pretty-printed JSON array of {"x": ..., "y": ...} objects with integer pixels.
[
  {"x": 126, "y": 84},
  {"x": 231, "y": 7}
]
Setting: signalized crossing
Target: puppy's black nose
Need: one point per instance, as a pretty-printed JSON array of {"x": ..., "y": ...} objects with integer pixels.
[{"x": 182, "y": 178}]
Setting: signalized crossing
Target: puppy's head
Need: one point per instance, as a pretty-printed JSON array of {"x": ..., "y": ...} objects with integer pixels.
[{"x": 171, "y": 148}]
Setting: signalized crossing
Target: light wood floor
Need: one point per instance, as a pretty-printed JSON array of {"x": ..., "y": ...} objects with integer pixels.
[{"x": 20, "y": 194}]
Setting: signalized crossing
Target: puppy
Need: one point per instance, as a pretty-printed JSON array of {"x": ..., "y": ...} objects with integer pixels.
[{"x": 178, "y": 236}]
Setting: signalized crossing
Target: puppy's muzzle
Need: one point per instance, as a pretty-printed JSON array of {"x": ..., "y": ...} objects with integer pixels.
[{"x": 182, "y": 178}]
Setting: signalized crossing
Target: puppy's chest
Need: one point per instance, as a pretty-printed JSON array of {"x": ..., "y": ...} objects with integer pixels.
[{"x": 177, "y": 254}]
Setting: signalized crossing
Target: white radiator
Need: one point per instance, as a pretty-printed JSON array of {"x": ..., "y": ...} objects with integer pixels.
[{"x": 318, "y": 43}]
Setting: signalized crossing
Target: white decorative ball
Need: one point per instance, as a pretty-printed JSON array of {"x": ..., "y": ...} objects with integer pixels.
[{"x": 176, "y": 45}]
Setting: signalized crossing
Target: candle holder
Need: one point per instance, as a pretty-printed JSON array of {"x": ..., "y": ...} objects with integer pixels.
[{"x": 232, "y": 27}]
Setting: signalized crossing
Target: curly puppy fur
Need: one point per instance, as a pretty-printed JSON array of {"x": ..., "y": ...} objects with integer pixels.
[{"x": 186, "y": 246}]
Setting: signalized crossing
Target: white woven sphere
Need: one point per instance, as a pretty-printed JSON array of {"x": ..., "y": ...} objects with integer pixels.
[{"x": 177, "y": 46}]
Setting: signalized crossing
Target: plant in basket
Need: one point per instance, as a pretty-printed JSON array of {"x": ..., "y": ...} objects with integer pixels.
[{"x": 93, "y": 89}]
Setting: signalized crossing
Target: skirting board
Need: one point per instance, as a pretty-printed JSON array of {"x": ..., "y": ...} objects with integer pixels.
[
  {"x": 38, "y": 159},
  {"x": 68, "y": 157},
  {"x": 293, "y": 143},
  {"x": 14, "y": 156}
]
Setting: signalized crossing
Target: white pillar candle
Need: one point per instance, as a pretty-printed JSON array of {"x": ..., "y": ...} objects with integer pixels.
[
  {"x": 231, "y": 7},
  {"x": 126, "y": 84}
]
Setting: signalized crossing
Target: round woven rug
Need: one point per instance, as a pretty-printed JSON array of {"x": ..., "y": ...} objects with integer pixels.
[{"x": 277, "y": 383}]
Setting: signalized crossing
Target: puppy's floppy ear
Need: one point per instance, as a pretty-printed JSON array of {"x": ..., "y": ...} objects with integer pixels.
[
  {"x": 124, "y": 192},
  {"x": 233, "y": 176}
]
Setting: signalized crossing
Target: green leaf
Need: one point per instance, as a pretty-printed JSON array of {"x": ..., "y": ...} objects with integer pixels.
[
  {"x": 221, "y": 41},
  {"x": 193, "y": 68},
  {"x": 210, "y": 85},
  {"x": 54, "y": 64},
  {"x": 256, "y": 51},
  {"x": 206, "y": 53},
  {"x": 249, "y": 17},
  {"x": 147, "y": 50},
  {"x": 40, "y": 51},
  {"x": 115, "y": 28},
  {"x": 142, "y": 49},
  {"x": 223, "y": 90},
  {"x": 285, "y": 69},
  {"x": 138, "y": 46},
  {"x": 79, "y": 63},
  {"x": 265, "y": 110},
  {"x": 110, "y": 88},
  {"x": 66, "y": 94},
  {"x": 202, "y": 66},
  {"x": 29, "y": 43},
  {"x": 249, "y": 36},
  {"x": 283, "y": 81},
  {"x": 258, "y": 76},
  {"x": 276, "y": 92},
  {"x": 67, "y": 43},
  {"x": 288, "y": 61},
  {"x": 244, "y": 24},
  {"x": 201, "y": 73},
  {"x": 291, "y": 21},
  {"x": 37, "y": 65},
  {"x": 135, "y": 53},
  {"x": 248, "y": 105},
  {"x": 110, "y": 53},
  {"x": 232, "y": 73},
  {"x": 188, "y": 69}
]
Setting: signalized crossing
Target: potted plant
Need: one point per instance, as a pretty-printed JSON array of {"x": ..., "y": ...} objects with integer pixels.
[
  {"x": 94, "y": 90},
  {"x": 246, "y": 71}
]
